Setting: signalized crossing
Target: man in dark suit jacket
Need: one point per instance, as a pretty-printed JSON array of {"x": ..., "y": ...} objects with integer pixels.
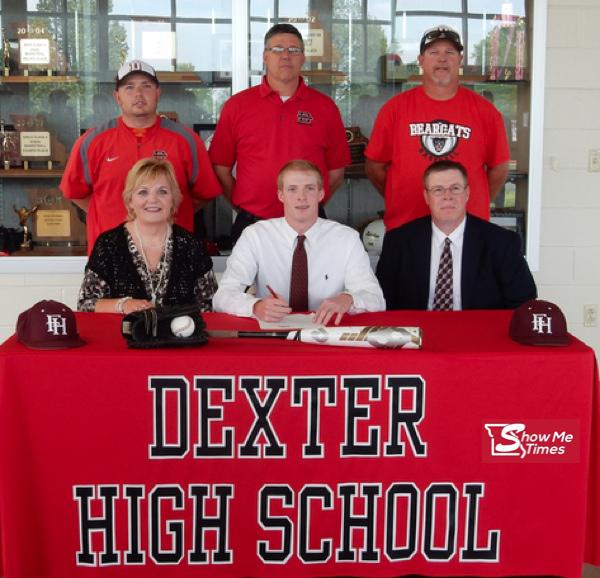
[{"x": 489, "y": 270}]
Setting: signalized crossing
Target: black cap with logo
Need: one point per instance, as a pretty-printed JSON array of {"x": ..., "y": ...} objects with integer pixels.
[{"x": 440, "y": 33}]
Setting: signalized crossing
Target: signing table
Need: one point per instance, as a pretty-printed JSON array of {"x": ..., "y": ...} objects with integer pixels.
[{"x": 473, "y": 456}]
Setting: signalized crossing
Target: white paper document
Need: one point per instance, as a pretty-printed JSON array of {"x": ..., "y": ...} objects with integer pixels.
[{"x": 292, "y": 321}]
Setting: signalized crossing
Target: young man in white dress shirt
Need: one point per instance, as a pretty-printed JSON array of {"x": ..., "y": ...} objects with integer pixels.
[{"x": 340, "y": 278}]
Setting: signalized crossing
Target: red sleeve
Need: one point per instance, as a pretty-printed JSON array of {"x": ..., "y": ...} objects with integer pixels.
[
  {"x": 73, "y": 184},
  {"x": 338, "y": 152},
  {"x": 498, "y": 150},
  {"x": 380, "y": 147},
  {"x": 206, "y": 185},
  {"x": 223, "y": 147}
]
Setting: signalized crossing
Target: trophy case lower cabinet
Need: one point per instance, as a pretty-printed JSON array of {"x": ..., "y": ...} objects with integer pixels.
[{"x": 35, "y": 219}]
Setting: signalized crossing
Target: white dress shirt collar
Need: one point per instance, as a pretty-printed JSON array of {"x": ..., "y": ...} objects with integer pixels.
[
  {"x": 291, "y": 234},
  {"x": 456, "y": 236}
]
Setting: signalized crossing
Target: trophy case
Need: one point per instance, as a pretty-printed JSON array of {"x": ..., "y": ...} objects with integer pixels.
[
  {"x": 57, "y": 77},
  {"x": 34, "y": 152},
  {"x": 38, "y": 127},
  {"x": 59, "y": 60}
]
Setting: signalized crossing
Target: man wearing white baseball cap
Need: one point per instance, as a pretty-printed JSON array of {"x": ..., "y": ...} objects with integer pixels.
[
  {"x": 135, "y": 66},
  {"x": 101, "y": 158}
]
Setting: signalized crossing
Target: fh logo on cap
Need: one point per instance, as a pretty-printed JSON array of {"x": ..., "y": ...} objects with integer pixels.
[
  {"x": 541, "y": 323},
  {"x": 57, "y": 324}
]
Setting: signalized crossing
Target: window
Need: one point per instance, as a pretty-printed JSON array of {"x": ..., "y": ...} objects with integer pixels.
[
  {"x": 370, "y": 54},
  {"x": 188, "y": 43},
  {"x": 362, "y": 52}
]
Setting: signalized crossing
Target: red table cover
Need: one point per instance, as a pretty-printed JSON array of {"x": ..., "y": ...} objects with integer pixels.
[{"x": 472, "y": 456}]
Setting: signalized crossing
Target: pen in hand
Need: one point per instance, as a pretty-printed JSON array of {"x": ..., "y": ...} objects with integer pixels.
[
  {"x": 275, "y": 296},
  {"x": 272, "y": 310}
]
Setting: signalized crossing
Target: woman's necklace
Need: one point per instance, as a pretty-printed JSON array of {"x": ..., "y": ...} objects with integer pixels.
[{"x": 161, "y": 264}]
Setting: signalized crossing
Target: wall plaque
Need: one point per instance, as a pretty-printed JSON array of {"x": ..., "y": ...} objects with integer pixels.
[
  {"x": 313, "y": 43},
  {"x": 34, "y": 51},
  {"x": 52, "y": 224},
  {"x": 35, "y": 145},
  {"x": 57, "y": 222}
]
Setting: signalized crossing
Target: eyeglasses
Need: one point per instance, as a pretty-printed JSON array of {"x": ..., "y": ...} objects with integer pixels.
[
  {"x": 454, "y": 190},
  {"x": 291, "y": 50}
]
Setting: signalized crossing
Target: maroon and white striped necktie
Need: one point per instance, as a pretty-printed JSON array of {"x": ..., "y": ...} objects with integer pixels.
[{"x": 443, "y": 296}]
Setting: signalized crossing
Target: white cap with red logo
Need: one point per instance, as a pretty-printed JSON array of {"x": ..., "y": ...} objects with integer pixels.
[{"x": 134, "y": 66}]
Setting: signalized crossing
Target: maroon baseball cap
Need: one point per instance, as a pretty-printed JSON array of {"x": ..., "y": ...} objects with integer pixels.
[
  {"x": 538, "y": 322},
  {"x": 48, "y": 325}
]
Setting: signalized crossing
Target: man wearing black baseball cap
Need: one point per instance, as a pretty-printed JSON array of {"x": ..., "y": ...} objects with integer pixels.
[
  {"x": 440, "y": 33},
  {"x": 439, "y": 120},
  {"x": 94, "y": 177}
]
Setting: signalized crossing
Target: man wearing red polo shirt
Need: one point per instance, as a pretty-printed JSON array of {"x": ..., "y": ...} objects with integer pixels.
[
  {"x": 101, "y": 158},
  {"x": 262, "y": 128}
]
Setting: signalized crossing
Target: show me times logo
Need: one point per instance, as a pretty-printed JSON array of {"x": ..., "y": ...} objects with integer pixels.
[{"x": 532, "y": 440}]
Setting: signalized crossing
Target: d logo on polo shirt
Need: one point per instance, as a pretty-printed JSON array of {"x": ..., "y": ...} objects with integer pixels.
[{"x": 304, "y": 117}]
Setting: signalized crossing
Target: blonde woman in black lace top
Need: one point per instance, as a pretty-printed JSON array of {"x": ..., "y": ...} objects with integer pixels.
[{"x": 147, "y": 260}]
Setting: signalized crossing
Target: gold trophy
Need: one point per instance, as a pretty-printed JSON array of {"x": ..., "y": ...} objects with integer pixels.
[
  {"x": 6, "y": 54},
  {"x": 24, "y": 213}
]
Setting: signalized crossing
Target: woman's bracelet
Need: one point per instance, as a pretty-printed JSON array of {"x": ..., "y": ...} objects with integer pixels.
[{"x": 120, "y": 305}]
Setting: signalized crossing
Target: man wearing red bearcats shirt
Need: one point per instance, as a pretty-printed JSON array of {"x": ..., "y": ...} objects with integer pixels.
[
  {"x": 262, "y": 128},
  {"x": 95, "y": 174},
  {"x": 439, "y": 120}
]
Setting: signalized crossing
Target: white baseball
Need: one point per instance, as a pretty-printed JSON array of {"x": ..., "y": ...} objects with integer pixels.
[{"x": 182, "y": 326}]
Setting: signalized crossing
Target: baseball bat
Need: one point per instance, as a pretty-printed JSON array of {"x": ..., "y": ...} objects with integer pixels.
[{"x": 378, "y": 337}]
